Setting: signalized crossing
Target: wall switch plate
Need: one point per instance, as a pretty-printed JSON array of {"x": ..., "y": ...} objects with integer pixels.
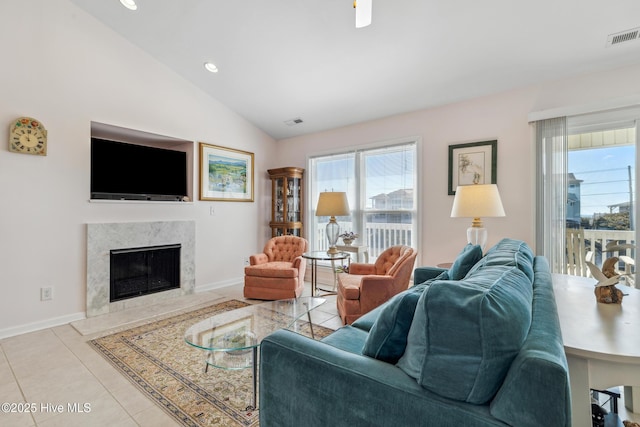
[{"x": 46, "y": 294}]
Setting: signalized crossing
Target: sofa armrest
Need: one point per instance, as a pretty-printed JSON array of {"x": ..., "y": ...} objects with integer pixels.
[
  {"x": 303, "y": 379},
  {"x": 536, "y": 381},
  {"x": 422, "y": 274},
  {"x": 538, "y": 378}
]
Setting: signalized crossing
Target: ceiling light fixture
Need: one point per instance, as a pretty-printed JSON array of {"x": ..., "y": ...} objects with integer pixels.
[
  {"x": 129, "y": 4},
  {"x": 363, "y": 12},
  {"x": 210, "y": 66},
  {"x": 293, "y": 122}
]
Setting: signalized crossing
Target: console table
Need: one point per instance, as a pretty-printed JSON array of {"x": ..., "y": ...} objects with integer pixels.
[
  {"x": 600, "y": 340},
  {"x": 356, "y": 249}
]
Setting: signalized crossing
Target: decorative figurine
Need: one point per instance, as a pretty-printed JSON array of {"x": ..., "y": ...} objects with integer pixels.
[{"x": 606, "y": 291}]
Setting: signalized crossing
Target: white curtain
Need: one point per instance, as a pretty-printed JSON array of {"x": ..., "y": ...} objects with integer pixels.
[{"x": 551, "y": 193}]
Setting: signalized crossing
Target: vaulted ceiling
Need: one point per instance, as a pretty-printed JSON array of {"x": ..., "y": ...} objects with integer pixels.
[{"x": 285, "y": 59}]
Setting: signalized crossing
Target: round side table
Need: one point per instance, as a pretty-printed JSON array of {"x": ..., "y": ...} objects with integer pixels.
[{"x": 316, "y": 256}]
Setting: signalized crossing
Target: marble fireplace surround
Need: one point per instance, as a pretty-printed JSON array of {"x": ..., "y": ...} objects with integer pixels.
[{"x": 101, "y": 238}]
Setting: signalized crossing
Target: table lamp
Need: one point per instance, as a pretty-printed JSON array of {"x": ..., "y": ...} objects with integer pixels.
[
  {"x": 332, "y": 204},
  {"x": 476, "y": 201}
]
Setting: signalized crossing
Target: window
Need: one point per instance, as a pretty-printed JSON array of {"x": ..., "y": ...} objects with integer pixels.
[{"x": 380, "y": 183}]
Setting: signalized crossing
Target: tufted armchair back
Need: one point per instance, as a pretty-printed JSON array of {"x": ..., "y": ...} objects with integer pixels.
[
  {"x": 285, "y": 248},
  {"x": 390, "y": 260},
  {"x": 367, "y": 286}
]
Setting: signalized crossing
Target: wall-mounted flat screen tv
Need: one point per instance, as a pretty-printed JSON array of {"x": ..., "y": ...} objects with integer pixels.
[{"x": 123, "y": 171}]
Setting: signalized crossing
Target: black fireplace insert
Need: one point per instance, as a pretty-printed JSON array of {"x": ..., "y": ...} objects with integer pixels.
[{"x": 141, "y": 271}]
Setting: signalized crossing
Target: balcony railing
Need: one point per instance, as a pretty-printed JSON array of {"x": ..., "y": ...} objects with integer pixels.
[
  {"x": 377, "y": 236},
  {"x": 596, "y": 241},
  {"x": 596, "y": 247}
]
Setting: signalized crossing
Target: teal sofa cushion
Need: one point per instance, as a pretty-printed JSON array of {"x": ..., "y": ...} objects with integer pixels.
[
  {"x": 388, "y": 336},
  {"x": 469, "y": 256},
  {"x": 465, "y": 333},
  {"x": 509, "y": 252}
]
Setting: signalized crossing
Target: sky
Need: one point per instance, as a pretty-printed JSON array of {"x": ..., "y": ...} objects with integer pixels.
[{"x": 605, "y": 175}]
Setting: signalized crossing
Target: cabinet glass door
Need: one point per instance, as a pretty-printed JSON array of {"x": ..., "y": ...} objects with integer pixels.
[
  {"x": 279, "y": 196},
  {"x": 293, "y": 202}
]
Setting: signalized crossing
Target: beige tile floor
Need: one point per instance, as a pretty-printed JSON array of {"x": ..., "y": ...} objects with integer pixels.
[{"x": 56, "y": 366}]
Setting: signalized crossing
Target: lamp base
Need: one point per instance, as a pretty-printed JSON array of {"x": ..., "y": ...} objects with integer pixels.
[
  {"x": 477, "y": 236},
  {"x": 333, "y": 230}
]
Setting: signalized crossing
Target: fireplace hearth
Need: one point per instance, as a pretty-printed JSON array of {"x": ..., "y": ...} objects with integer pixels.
[{"x": 140, "y": 271}]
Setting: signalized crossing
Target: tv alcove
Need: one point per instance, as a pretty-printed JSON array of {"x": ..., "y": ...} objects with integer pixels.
[{"x": 130, "y": 165}]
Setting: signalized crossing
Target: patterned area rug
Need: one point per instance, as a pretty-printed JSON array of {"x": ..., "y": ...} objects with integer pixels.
[{"x": 156, "y": 358}]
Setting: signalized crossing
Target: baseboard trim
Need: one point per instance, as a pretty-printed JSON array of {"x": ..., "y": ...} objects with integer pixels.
[
  {"x": 42, "y": 324},
  {"x": 217, "y": 285},
  {"x": 63, "y": 320}
]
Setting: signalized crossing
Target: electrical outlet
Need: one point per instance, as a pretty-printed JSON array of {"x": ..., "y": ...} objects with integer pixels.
[
  {"x": 246, "y": 261},
  {"x": 46, "y": 294},
  {"x": 212, "y": 211}
]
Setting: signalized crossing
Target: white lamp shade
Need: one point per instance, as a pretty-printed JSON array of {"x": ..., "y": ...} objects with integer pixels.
[
  {"x": 477, "y": 200},
  {"x": 333, "y": 203}
]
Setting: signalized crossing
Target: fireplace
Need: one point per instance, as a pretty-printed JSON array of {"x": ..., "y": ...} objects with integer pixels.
[
  {"x": 140, "y": 271},
  {"x": 105, "y": 237}
]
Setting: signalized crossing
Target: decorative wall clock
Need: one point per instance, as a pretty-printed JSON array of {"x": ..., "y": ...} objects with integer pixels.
[{"x": 28, "y": 136}]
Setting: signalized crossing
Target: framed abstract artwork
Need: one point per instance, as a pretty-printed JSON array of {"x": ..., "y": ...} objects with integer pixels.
[
  {"x": 226, "y": 174},
  {"x": 472, "y": 163}
]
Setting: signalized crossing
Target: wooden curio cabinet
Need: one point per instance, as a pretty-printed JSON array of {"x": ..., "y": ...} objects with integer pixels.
[{"x": 286, "y": 201}]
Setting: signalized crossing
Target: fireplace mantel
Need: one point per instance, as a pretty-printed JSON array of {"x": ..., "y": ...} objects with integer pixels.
[{"x": 102, "y": 238}]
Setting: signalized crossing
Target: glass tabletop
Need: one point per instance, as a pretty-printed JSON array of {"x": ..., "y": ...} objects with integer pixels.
[
  {"x": 324, "y": 256},
  {"x": 244, "y": 328}
]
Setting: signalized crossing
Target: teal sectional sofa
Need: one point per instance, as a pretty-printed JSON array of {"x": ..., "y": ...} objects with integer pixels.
[{"x": 476, "y": 345}]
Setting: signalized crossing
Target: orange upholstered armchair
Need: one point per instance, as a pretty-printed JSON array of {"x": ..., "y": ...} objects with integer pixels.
[
  {"x": 278, "y": 273},
  {"x": 366, "y": 286}
]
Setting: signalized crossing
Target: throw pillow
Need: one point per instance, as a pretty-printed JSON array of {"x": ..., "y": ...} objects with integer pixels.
[
  {"x": 466, "y": 333},
  {"x": 469, "y": 256},
  {"x": 387, "y": 338}
]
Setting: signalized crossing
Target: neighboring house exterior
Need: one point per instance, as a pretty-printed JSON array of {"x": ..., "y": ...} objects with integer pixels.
[
  {"x": 624, "y": 207},
  {"x": 573, "y": 201},
  {"x": 397, "y": 200}
]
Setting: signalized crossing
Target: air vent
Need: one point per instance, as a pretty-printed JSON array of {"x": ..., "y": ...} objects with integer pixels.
[
  {"x": 623, "y": 36},
  {"x": 293, "y": 122}
]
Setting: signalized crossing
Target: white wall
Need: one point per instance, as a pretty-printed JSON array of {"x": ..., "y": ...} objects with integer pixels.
[
  {"x": 66, "y": 69},
  {"x": 502, "y": 117}
]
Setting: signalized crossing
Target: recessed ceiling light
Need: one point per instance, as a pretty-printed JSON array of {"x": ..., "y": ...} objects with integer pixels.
[
  {"x": 210, "y": 66},
  {"x": 129, "y": 4}
]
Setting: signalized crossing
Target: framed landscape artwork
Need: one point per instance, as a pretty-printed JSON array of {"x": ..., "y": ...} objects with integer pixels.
[
  {"x": 225, "y": 174},
  {"x": 472, "y": 163}
]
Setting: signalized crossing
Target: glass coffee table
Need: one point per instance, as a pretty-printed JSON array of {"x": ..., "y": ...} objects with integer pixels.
[{"x": 231, "y": 339}]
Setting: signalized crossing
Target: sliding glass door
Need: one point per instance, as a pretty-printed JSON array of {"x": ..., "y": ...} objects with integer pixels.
[
  {"x": 587, "y": 191},
  {"x": 601, "y": 179}
]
